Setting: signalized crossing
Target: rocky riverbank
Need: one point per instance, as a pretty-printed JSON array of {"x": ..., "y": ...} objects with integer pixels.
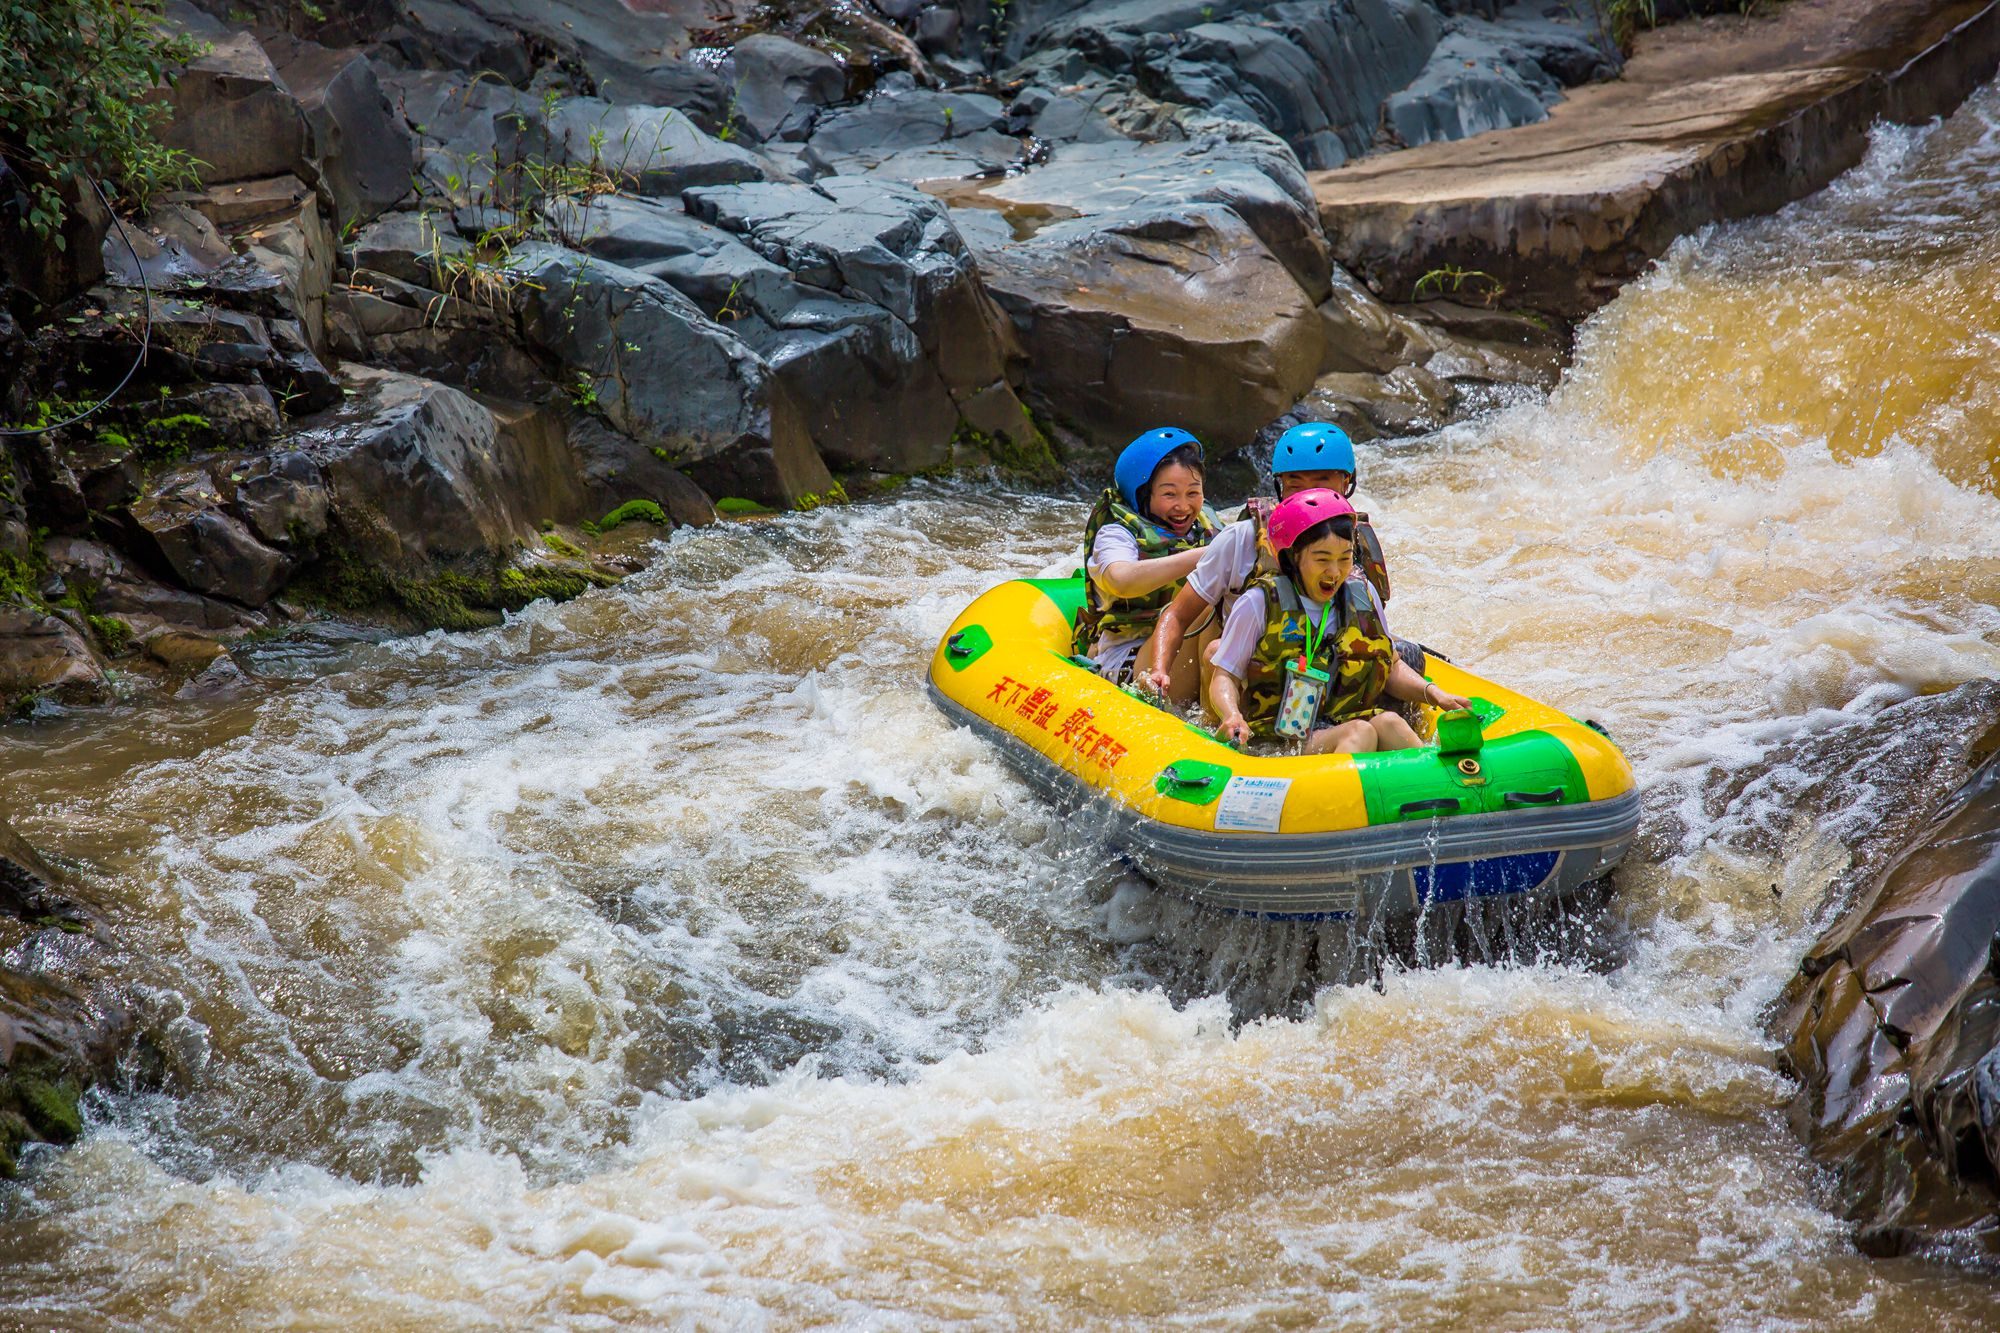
[{"x": 64, "y": 1018}]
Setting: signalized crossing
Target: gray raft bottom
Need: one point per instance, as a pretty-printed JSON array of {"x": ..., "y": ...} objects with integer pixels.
[{"x": 1394, "y": 870}]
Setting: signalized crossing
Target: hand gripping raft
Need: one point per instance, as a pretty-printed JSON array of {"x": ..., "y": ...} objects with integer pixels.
[{"x": 1512, "y": 798}]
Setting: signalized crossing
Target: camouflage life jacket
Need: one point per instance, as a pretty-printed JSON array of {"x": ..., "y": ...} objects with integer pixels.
[
  {"x": 1355, "y": 651},
  {"x": 1368, "y": 557},
  {"x": 1130, "y": 617}
]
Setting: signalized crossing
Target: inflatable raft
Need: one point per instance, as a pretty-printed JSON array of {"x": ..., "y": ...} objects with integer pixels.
[{"x": 1511, "y": 798}]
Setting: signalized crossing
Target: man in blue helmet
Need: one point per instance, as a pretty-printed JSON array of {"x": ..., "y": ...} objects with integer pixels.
[
  {"x": 1312, "y": 456},
  {"x": 1144, "y": 535}
]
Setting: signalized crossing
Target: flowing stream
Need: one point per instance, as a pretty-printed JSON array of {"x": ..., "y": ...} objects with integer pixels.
[{"x": 664, "y": 957}]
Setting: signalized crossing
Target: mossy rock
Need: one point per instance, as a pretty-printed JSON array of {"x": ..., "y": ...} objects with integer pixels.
[
  {"x": 739, "y": 507},
  {"x": 53, "y": 1108},
  {"x": 645, "y": 510}
]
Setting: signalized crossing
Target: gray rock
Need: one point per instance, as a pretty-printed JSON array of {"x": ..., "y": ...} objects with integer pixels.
[
  {"x": 364, "y": 151},
  {"x": 665, "y": 374},
  {"x": 422, "y": 477},
  {"x": 298, "y": 251},
  {"x": 964, "y": 130},
  {"x": 1892, "y": 1026},
  {"x": 775, "y": 80},
  {"x": 616, "y": 468},
  {"x": 281, "y": 496},
  {"x": 652, "y": 150},
  {"x": 1470, "y": 85},
  {"x": 888, "y": 328},
  {"x": 1242, "y": 168},
  {"x": 236, "y": 205},
  {"x": 220, "y": 680},
  {"x": 1408, "y": 400},
  {"x": 209, "y": 549},
  {"x": 1179, "y": 316},
  {"x": 621, "y": 52},
  {"x": 1362, "y": 334},
  {"x": 415, "y": 247},
  {"x": 232, "y": 111}
]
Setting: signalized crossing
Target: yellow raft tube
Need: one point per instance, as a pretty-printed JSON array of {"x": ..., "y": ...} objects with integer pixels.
[{"x": 1512, "y": 798}]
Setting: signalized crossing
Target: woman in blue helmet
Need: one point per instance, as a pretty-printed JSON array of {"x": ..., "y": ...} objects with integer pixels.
[
  {"x": 1144, "y": 535},
  {"x": 1312, "y": 456}
]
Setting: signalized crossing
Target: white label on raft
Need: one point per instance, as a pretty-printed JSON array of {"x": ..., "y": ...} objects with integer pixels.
[{"x": 1252, "y": 805}]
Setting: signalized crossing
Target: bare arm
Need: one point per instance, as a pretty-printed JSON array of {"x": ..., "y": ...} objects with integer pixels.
[
  {"x": 1225, "y": 697},
  {"x": 1170, "y": 631},
  {"x": 1405, "y": 683},
  {"x": 1136, "y": 578}
]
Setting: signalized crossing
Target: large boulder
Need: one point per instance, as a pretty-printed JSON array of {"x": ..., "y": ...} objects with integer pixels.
[
  {"x": 232, "y": 111},
  {"x": 1173, "y": 315},
  {"x": 667, "y": 375},
  {"x": 1893, "y": 1027},
  {"x": 1237, "y": 166},
  {"x": 912, "y": 134},
  {"x": 421, "y": 477},
  {"x": 779, "y": 84},
  {"x": 42, "y": 654},
  {"x": 364, "y": 150}
]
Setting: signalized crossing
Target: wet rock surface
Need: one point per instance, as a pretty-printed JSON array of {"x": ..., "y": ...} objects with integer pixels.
[
  {"x": 1892, "y": 1026},
  {"x": 64, "y": 1019},
  {"x": 1725, "y": 118}
]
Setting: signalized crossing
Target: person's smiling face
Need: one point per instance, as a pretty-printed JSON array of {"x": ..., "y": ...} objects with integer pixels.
[
  {"x": 1176, "y": 496},
  {"x": 1324, "y": 566}
]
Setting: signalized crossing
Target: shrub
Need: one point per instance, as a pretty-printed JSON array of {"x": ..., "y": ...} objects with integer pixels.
[{"x": 74, "y": 82}]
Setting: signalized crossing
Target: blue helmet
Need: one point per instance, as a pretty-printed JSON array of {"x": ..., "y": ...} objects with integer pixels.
[
  {"x": 1315, "y": 446},
  {"x": 1141, "y": 457}
]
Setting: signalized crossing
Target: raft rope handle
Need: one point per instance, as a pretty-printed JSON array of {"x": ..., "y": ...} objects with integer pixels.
[
  {"x": 1172, "y": 774},
  {"x": 955, "y": 645},
  {"x": 145, "y": 337}
]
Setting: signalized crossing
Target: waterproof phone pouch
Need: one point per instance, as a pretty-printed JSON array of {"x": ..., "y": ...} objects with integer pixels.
[{"x": 1298, "y": 706}]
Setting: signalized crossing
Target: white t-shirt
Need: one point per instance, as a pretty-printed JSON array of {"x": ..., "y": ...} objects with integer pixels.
[
  {"x": 1227, "y": 563},
  {"x": 1114, "y": 543},
  {"x": 1245, "y": 626}
]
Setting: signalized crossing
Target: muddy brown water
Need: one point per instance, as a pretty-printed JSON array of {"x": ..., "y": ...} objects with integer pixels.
[{"x": 664, "y": 959}]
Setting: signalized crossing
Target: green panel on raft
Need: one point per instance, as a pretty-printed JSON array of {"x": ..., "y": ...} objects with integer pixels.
[
  {"x": 1527, "y": 769},
  {"x": 1193, "y": 781},
  {"x": 967, "y": 646},
  {"x": 1067, "y": 594}
]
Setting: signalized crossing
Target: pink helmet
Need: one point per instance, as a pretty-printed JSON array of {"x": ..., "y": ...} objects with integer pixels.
[{"x": 1302, "y": 511}]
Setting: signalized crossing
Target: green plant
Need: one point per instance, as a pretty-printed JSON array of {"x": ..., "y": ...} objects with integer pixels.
[
  {"x": 1453, "y": 279},
  {"x": 73, "y": 74},
  {"x": 561, "y": 545},
  {"x": 736, "y": 504},
  {"x": 729, "y": 312},
  {"x": 634, "y": 509},
  {"x": 835, "y": 495},
  {"x": 114, "y": 634},
  {"x": 583, "y": 393},
  {"x": 312, "y": 11}
]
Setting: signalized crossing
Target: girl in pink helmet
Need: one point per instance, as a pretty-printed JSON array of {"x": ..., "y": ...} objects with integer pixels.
[{"x": 1305, "y": 651}]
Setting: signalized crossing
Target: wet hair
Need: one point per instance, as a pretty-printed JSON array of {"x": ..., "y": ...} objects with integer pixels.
[
  {"x": 1188, "y": 456},
  {"x": 1341, "y": 526}
]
